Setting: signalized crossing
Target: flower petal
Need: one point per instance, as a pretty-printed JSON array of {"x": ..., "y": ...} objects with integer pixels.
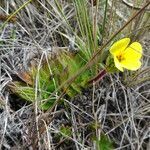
[
  {"x": 118, "y": 64},
  {"x": 131, "y": 64},
  {"x": 119, "y": 46},
  {"x": 133, "y": 52}
]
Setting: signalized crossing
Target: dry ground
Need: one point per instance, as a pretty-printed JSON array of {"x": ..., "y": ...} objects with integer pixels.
[{"x": 118, "y": 106}]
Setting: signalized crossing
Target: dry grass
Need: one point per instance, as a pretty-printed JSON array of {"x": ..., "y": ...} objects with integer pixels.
[{"x": 118, "y": 106}]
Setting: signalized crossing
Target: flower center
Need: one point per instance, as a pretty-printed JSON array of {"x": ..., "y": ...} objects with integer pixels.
[{"x": 120, "y": 57}]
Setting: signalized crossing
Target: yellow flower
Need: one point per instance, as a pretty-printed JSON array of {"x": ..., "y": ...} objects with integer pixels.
[{"x": 126, "y": 55}]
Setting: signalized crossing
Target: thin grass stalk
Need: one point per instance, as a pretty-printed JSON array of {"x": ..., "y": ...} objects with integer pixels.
[
  {"x": 84, "y": 24},
  {"x": 104, "y": 20},
  {"x": 14, "y": 13}
]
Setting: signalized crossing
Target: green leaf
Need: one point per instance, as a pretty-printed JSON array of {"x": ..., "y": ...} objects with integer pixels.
[
  {"x": 26, "y": 92},
  {"x": 104, "y": 143},
  {"x": 111, "y": 68},
  {"x": 66, "y": 131},
  {"x": 48, "y": 104}
]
